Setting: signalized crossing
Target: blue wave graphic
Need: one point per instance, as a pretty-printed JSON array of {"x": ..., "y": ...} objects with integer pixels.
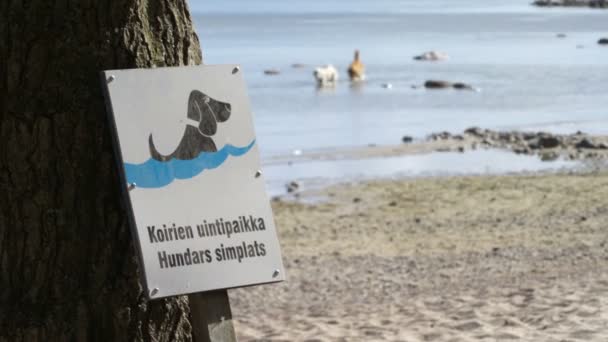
[{"x": 155, "y": 174}]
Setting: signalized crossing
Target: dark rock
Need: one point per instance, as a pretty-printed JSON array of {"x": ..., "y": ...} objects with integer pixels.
[
  {"x": 272, "y": 72},
  {"x": 440, "y": 136},
  {"x": 292, "y": 186},
  {"x": 504, "y": 136},
  {"x": 407, "y": 139},
  {"x": 458, "y": 137},
  {"x": 434, "y": 84},
  {"x": 598, "y": 3},
  {"x": 460, "y": 149},
  {"x": 585, "y": 143},
  {"x": 432, "y": 56},
  {"x": 529, "y": 135},
  {"x": 476, "y": 131},
  {"x": 534, "y": 144},
  {"x": 356, "y": 200},
  {"x": 603, "y": 41},
  {"x": 549, "y": 156},
  {"x": 561, "y": 35},
  {"x": 548, "y": 141},
  {"x": 521, "y": 150},
  {"x": 572, "y": 3},
  {"x": 462, "y": 86}
]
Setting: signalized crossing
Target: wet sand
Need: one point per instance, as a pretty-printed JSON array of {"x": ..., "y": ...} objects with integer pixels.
[{"x": 485, "y": 258}]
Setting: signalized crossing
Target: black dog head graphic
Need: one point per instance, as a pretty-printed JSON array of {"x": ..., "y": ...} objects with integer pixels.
[{"x": 196, "y": 139}]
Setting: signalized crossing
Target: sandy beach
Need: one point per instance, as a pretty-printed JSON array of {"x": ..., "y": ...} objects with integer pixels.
[
  {"x": 484, "y": 258},
  {"x": 491, "y": 257}
]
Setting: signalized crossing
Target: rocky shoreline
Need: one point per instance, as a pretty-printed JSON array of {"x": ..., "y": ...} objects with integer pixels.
[
  {"x": 572, "y": 3},
  {"x": 546, "y": 145}
]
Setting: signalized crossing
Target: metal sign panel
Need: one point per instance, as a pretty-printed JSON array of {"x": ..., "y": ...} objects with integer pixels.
[{"x": 190, "y": 161}]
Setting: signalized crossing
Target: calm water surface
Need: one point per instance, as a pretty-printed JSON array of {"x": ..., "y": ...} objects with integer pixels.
[{"x": 529, "y": 78}]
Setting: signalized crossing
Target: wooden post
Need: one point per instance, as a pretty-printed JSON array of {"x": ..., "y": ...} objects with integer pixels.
[{"x": 211, "y": 317}]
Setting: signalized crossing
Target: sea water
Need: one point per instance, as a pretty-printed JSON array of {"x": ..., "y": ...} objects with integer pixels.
[{"x": 528, "y": 77}]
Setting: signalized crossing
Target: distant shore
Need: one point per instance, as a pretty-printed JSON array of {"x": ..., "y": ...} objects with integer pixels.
[{"x": 572, "y": 3}]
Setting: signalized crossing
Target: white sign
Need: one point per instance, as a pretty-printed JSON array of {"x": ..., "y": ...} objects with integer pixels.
[{"x": 190, "y": 161}]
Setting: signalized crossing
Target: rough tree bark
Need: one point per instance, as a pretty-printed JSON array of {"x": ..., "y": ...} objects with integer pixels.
[{"x": 67, "y": 264}]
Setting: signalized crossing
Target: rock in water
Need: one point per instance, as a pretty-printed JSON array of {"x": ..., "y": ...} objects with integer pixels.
[
  {"x": 548, "y": 141},
  {"x": 603, "y": 41},
  {"x": 437, "y": 84},
  {"x": 407, "y": 139},
  {"x": 434, "y": 84},
  {"x": 476, "y": 131},
  {"x": 432, "y": 56},
  {"x": 585, "y": 143},
  {"x": 463, "y": 86},
  {"x": 544, "y": 140},
  {"x": 572, "y": 3},
  {"x": 440, "y": 136},
  {"x": 549, "y": 156},
  {"x": 272, "y": 72}
]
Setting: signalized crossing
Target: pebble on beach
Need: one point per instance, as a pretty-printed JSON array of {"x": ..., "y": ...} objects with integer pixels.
[{"x": 292, "y": 186}]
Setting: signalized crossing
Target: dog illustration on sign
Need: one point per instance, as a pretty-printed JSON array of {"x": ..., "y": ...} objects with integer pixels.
[
  {"x": 196, "y": 150},
  {"x": 207, "y": 112}
]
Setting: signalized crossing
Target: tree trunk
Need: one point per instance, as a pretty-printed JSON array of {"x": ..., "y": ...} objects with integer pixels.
[{"x": 68, "y": 268}]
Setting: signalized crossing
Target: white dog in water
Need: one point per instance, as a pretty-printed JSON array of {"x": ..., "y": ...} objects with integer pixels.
[{"x": 326, "y": 75}]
